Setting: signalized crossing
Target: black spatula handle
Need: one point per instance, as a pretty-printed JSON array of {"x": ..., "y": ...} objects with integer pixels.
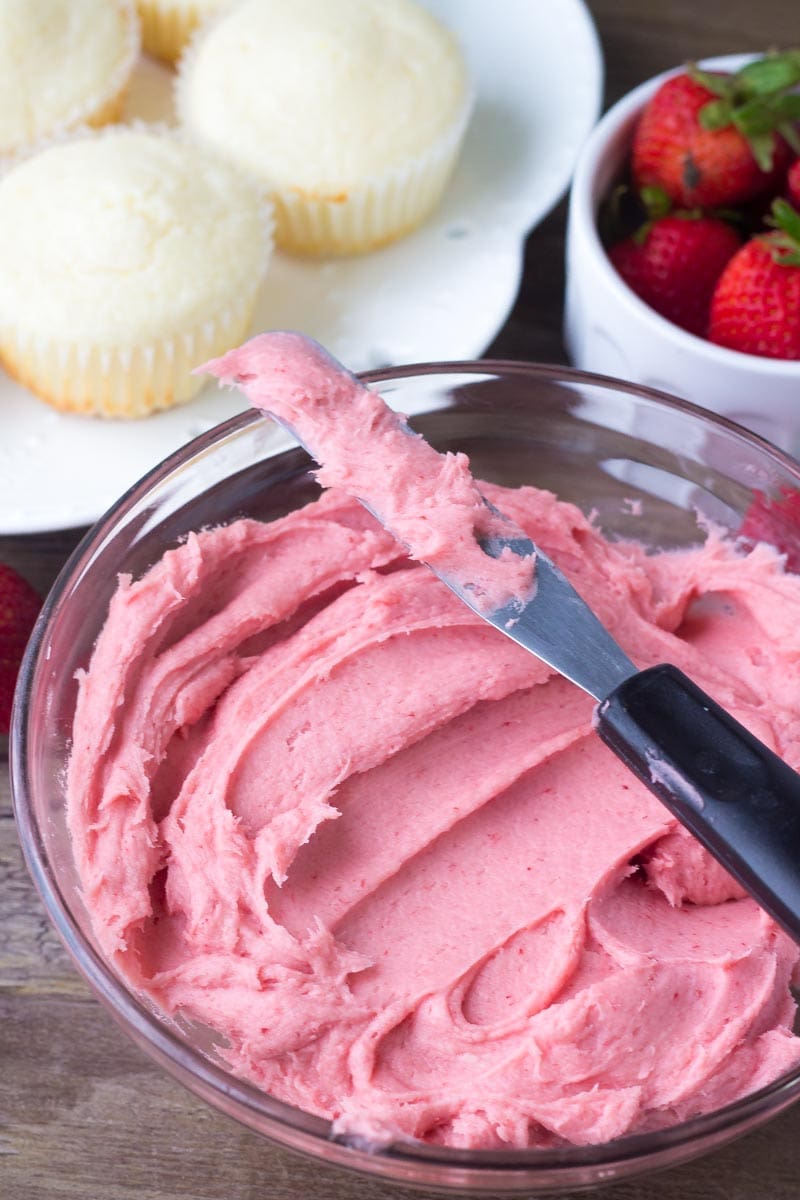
[{"x": 736, "y": 796}]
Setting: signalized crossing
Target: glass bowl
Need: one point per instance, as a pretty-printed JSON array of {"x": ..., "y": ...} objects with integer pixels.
[{"x": 643, "y": 462}]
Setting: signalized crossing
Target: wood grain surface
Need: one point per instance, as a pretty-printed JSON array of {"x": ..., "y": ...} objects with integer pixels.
[{"x": 84, "y": 1114}]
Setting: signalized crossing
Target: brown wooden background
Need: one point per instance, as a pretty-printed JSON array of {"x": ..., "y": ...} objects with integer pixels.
[{"x": 83, "y": 1113}]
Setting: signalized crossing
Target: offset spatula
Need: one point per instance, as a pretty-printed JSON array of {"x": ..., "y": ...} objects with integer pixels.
[{"x": 734, "y": 794}]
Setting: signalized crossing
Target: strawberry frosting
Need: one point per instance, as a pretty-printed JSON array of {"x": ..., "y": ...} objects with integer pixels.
[{"x": 318, "y": 805}]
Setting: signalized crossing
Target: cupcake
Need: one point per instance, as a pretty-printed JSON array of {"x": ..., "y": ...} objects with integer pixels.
[
  {"x": 167, "y": 25},
  {"x": 127, "y": 257},
  {"x": 63, "y": 63},
  {"x": 350, "y": 112}
]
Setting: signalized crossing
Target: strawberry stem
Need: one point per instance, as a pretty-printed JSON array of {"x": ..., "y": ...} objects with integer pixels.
[{"x": 757, "y": 100}]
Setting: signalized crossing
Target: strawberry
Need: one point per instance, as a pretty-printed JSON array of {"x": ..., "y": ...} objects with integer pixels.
[
  {"x": 19, "y": 607},
  {"x": 776, "y": 522},
  {"x": 673, "y": 264},
  {"x": 756, "y": 303},
  {"x": 711, "y": 139}
]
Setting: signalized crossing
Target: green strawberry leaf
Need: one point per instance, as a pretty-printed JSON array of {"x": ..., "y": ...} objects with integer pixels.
[
  {"x": 758, "y": 120},
  {"x": 765, "y": 76},
  {"x": 716, "y": 114},
  {"x": 786, "y": 107},
  {"x": 765, "y": 113},
  {"x": 789, "y": 132},
  {"x": 788, "y": 257},
  {"x": 785, "y": 242},
  {"x": 656, "y": 202},
  {"x": 786, "y": 217},
  {"x": 763, "y": 148}
]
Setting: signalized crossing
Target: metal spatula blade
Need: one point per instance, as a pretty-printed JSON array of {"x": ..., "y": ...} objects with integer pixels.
[{"x": 589, "y": 656}]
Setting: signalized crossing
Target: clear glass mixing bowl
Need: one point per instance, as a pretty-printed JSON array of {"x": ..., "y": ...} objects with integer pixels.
[{"x": 596, "y": 442}]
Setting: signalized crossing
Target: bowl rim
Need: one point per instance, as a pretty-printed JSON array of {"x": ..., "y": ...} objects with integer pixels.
[
  {"x": 582, "y": 213},
  {"x": 301, "y": 1130}
]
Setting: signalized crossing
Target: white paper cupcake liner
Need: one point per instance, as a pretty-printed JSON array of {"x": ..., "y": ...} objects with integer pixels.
[
  {"x": 130, "y": 381},
  {"x": 377, "y": 212}
]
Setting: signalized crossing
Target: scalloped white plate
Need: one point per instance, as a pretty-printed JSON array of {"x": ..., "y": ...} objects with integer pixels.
[{"x": 441, "y": 293}]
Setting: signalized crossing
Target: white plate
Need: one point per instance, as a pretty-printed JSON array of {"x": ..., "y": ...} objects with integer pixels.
[{"x": 441, "y": 293}]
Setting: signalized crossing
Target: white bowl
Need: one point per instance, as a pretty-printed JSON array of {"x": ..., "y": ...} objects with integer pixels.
[{"x": 609, "y": 330}]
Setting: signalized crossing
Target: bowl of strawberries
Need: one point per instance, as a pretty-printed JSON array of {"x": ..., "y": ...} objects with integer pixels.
[{"x": 683, "y": 241}]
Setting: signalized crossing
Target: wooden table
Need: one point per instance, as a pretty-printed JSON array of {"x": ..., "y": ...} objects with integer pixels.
[{"x": 83, "y": 1113}]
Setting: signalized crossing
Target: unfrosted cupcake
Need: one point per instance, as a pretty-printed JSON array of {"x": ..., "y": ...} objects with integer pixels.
[
  {"x": 63, "y": 63},
  {"x": 167, "y": 25},
  {"x": 126, "y": 258},
  {"x": 350, "y": 112}
]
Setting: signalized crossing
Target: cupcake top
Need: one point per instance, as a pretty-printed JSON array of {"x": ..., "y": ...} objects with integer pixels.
[
  {"x": 124, "y": 237},
  {"x": 61, "y": 61},
  {"x": 323, "y": 95}
]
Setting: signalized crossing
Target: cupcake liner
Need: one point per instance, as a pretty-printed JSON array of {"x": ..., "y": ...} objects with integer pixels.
[
  {"x": 131, "y": 381},
  {"x": 377, "y": 212},
  {"x": 167, "y": 28},
  {"x": 332, "y": 220},
  {"x": 104, "y": 104}
]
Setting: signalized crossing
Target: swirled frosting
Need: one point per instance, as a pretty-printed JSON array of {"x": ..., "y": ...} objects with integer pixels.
[{"x": 318, "y": 805}]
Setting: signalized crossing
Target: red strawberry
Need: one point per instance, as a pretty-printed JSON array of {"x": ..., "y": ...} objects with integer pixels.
[
  {"x": 776, "y": 522},
  {"x": 711, "y": 139},
  {"x": 19, "y": 607},
  {"x": 673, "y": 264},
  {"x": 756, "y": 304}
]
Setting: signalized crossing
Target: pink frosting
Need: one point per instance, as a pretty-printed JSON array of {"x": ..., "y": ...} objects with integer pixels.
[{"x": 318, "y": 805}]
